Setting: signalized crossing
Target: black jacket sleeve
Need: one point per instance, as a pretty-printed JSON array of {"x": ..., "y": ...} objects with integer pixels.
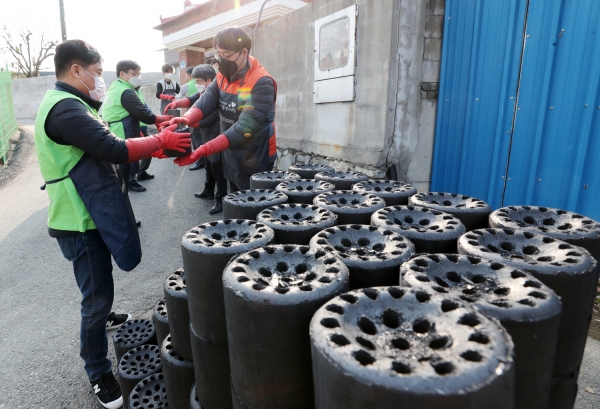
[
  {"x": 70, "y": 123},
  {"x": 177, "y": 88},
  {"x": 209, "y": 120},
  {"x": 253, "y": 115},
  {"x": 158, "y": 89},
  {"x": 131, "y": 102}
]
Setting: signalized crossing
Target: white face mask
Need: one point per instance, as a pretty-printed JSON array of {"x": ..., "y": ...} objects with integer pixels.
[
  {"x": 169, "y": 76},
  {"x": 135, "y": 81},
  {"x": 99, "y": 87},
  {"x": 200, "y": 88}
]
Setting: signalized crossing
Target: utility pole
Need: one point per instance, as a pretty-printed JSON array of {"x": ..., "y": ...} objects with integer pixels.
[{"x": 63, "y": 27}]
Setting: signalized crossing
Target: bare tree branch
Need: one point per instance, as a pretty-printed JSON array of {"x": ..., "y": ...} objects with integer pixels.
[{"x": 28, "y": 56}]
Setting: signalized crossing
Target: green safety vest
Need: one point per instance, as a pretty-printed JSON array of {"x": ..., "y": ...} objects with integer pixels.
[
  {"x": 66, "y": 210},
  {"x": 112, "y": 110},
  {"x": 192, "y": 88}
]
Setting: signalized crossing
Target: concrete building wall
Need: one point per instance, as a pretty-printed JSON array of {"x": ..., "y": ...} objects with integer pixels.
[
  {"x": 391, "y": 120},
  {"x": 29, "y": 92},
  {"x": 341, "y": 130}
]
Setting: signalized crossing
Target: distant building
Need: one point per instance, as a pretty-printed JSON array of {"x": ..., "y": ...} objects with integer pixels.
[{"x": 188, "y": 37}]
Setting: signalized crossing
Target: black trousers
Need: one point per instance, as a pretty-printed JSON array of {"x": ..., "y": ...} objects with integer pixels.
[
  {"x": 215, "y": 176},
  {"x": 197, "y": 142},
  {"x": 234, "y": 188},
  {"x": 129, "y": 171}
]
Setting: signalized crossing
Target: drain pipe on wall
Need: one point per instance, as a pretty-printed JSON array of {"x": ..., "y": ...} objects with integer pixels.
[{"x": 260, "y": 14}]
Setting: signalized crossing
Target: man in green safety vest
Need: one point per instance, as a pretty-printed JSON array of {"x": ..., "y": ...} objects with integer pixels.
[
  {"x": 89, "y": 212},
  {"x": 125, "y": 111},
  {"x": 187, "y": 90}
]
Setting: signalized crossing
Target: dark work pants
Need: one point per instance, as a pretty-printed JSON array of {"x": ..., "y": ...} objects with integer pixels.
[
  {"x": 197, "y": 142},
  {"x": 138, "y": 167},
  {"x": 215, "y": 176},
  {"x": 234, "y": 188},
  {"x": 92, "y": 266}
]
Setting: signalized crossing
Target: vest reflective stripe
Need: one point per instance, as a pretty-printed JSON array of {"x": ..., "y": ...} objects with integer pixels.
[
  {"x": 112, "y": 110},
  {"x": 66, "y": 210},
  {"x": 192, "y": 88}
]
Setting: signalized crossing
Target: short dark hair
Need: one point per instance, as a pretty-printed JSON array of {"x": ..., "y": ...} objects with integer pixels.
[
  {"x": 211, "y": 60},
  {"x": 233, "y": 39},
  {"x": 204, "y": 72},
  {"x": 189, "y": 70},
  {"x": 71, "y": 52},
  {"x": 168, "y": 68},
  {"x": 127, "y": 65}
]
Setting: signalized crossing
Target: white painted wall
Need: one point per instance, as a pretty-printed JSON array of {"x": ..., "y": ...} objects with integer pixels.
[{"x": 29, "y": 92}]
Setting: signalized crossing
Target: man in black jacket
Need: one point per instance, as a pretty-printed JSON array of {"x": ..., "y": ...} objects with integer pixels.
[
  {"x": 244, "y": 93},
  {"x": 89, "y": 212},
  {"x": 210, "y": 128},
  {"x": 124, "y": 109}
]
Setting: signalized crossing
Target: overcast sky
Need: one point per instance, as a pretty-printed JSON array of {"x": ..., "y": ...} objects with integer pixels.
[{"x": 119, "y": 29}]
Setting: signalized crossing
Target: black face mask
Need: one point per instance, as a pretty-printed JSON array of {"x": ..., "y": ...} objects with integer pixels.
[{"x": 228, "y": 68}]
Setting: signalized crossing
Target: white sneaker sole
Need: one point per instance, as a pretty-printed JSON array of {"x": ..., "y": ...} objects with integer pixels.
[
  {"x": 115, "y": 404},
  {"x": 117, "y": 326}
]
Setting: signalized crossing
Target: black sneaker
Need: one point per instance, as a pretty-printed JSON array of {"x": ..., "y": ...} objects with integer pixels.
[
  {"x": 204, "y": 195},
  {"x": 136, "y": 187},
  {"x": 144, "y": 176},
  {"x": 116, "y": 320},
  {"x": 107, "y": 391}
]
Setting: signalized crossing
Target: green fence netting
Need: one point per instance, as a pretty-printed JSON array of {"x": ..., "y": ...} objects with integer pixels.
[{"x": 8, "y": 122}]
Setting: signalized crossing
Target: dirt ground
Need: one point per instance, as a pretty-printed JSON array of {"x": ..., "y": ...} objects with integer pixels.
[{"x": 595, "y": 326}]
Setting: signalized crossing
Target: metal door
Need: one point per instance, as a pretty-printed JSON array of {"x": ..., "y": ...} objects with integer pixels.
[{"x": 543, "y": 149}]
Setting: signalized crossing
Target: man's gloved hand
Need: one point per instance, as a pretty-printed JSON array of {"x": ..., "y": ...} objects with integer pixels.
[
  {"x": 192, "y": 157},
  {"x": 182, "y": 103},
  {"x": 179, "y": 120},
  {"x": 160, "y": 154},
  {"x": 167, "y": 97},
  {"x": 162, "y": 118},
  {"x": 219, "y": 144},
  {"x": 174, "y": 141}
]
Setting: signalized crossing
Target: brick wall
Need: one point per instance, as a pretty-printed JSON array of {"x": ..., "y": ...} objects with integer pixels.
[
  {"x": 191, "y": 58},
  {"x": 432, "y": 49}
]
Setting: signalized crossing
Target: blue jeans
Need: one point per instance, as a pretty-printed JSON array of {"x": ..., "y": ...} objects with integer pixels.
[{"x": 93, "y": 272}]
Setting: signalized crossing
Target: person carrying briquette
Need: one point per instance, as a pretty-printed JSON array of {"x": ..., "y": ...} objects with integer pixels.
[
  {"x": 125, "y": 111},
  {"x": 89, "y": 212},
  {"x": 167, "y": 88},
  {"x": 244, "y": 93},
  {"x": 209, "y": 128},
  {"x": 188, "y": 89}
]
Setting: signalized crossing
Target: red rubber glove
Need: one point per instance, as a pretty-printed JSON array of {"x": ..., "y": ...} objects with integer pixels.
[
  {"x": 182, "y": 103},
  {"x": 178, "y": 120},
  {"x": 167, "y": 97},
  {"x": 160, "y": 154},
  {"x": 191, "y": 117},
  {"x": 174, "y": 141},
  {"x": 142, "y": 135},
  {"x": 219, "y": 144},
  {"x": 162, "y": 118},
  {"x": 142, "y": 148}
]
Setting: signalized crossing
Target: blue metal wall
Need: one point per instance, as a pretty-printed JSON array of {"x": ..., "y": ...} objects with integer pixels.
[{"x": 545, "y": 150}]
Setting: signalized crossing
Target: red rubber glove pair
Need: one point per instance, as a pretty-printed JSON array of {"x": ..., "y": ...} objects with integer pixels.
[
  {"x": 141, "y": 148},
  {"x": 167, "y": 97},
  {"x": 219, "y": 144},
  {"x": 161, "y": 119},
  {"x": 191, "y": 118},
  {"x": 182, "y": 103}
]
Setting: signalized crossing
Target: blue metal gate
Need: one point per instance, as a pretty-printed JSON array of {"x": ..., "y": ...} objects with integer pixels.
[{"x": 519, "y": 103}]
